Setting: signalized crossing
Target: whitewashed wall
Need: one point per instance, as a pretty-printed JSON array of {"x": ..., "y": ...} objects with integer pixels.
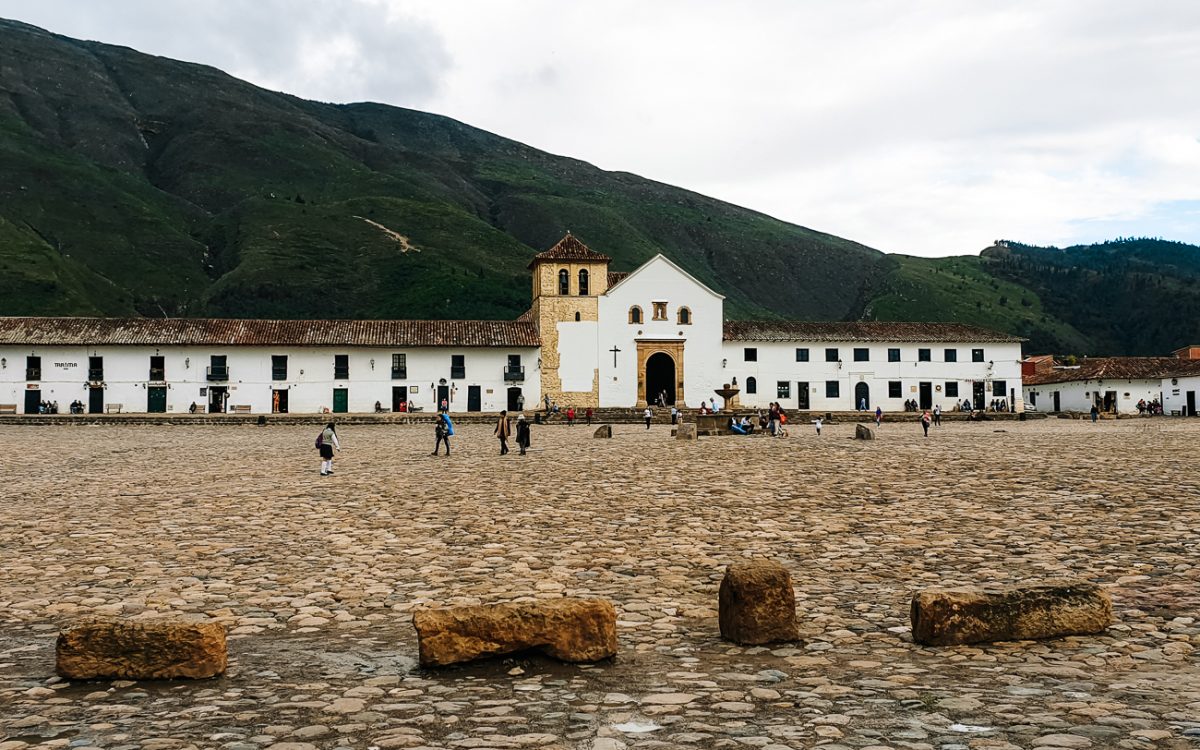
[
  {"x": 1175, "y": 394},
  {"x": 310, "y": 382},
  {"x": 660, "y": 280},
  {"x": 577, "y": 360},
  {"x": 777, "y": 362},
  {"x": 1079, "y": 395}
]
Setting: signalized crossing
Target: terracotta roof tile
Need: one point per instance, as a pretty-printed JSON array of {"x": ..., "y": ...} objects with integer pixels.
[
  {"x": 569, "y": 248},
  {"x": 866, "y": 330},
  {"x": 1116, "y": 368},
  {"x": 615, "y": 277},
  {"x": 244, "y": 332}
]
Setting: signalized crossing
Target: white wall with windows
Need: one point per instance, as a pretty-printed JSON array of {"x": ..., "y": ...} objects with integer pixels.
[
  {"x": 838, "y": 376},
  {"x": 1181, "y": 396},
  {"x": 1079, "y": 395},
  {"x": 309, "y": 379}
]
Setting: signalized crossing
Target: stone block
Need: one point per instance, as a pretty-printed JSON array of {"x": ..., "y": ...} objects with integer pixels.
[
  {"x": 863, "y": 432},
  {"x": 685, "y": 431},
  {"x": 159, "y": 649},
  {"x": 575, "y": 630},
  {"x": 952, "y": 616},
  {"x": 757, "y": 603},
  {"x": 603, "y": 431}
]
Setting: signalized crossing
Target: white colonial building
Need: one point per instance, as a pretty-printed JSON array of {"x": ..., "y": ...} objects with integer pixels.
[
  {"x": 1113, "y": 385},
  {"x": 590, "y": 339}
]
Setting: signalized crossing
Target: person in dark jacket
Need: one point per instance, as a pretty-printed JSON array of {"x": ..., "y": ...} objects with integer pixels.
[
  {"x": 442, "y": 432},
  {"x": 522, "y": 434},
  {"x": 503, "y": 430}
]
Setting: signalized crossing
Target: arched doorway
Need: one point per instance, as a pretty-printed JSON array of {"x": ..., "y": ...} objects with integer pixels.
[
  {"x": 862, "y": 396},
  {"x": 660, "y": 378}
]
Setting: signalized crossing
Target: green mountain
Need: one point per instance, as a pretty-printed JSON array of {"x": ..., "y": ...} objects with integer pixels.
[{"x": 139, "y": 185}]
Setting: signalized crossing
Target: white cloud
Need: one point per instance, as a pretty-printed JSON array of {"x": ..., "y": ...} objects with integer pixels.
[{"x": 929, "y": 127}]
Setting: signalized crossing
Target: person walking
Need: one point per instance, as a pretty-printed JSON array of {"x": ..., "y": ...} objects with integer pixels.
[
  {"x": 503, "y": 430},
  {"x": 674, "y": 414},
  {"x": 817, "y": 422},
  {"x": 522, "y": 434},
  {"x": 1095, "y": 413},
  {"x": 925, "y": 420},
  {"x": 647, "y": 415},
  {"x": 878, "y": 415},
  {"x": 937, "y": 415},
  {"x": 589, "y": 414},
  {"x": 441, "y": 431},
  {"x": 327, "y": 443}
]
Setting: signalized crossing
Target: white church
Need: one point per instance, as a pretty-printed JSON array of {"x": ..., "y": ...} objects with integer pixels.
[{"x": 592, "y": 338}]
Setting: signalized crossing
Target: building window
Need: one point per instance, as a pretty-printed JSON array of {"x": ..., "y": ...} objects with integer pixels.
[
  {"x": 278, "y": 367},
  {"x": 158, "y": 368},
  {"x": 750, "y": 354},
  {"x": 924, "y": 355},
  {"x": 832, "y": 389},
  {"x": 893, "y": 355},
  {"x": 1000, "y": 388},
  {"x": 862, "y": 354},
  {"x": 894, "y": 389},
  {"x": 751, "y": 385},
  {"x": 685, "y": 316},
  {"x": 218, "y": 367},
  {"x": 583, "y": 282},
  {"x": 564, "y": 282},
  {"x": 33, "y": 368},
  {"x": 458, "y": 366},
  {"x": 783, "y": 389},
  {"x": 577, "y": 317},
  {"x": 95, "y": 369},
  {"x": 635, "y": 315},
  {"x": 399, "y": 366},
  {"x": 341, "y": 367},
  {"x": 831, "y": 355},
  {"x": 951, "y": 389},
  {"x": 951, "y": 355},
  {"x": 976, "y": 355},
  {"x": 801, "y": 355},
  {"x": 660, "y": 310}
]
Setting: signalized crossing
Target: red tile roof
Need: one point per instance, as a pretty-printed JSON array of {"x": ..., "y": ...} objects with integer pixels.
[
  {"x": 865, "y": 331},
  {"x": 243, "y": 332},
  {"x": 1116, "y": 368},
  {"x": 569, "y": 248},
  {"x": 615, "y": 277}
]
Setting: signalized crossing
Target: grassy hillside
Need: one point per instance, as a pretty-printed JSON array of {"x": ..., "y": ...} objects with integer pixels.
[{"x": 141, "y": 185}]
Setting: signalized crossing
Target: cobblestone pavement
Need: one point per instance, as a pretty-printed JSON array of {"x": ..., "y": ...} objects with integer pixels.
[{"x": 316, "y": 579}]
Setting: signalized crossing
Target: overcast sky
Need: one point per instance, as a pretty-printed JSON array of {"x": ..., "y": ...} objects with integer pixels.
[{"x": 928, "y": 127}]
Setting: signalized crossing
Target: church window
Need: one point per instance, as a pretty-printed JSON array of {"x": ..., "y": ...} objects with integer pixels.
[
  {"x": 751, "y": 385},
  {"x": 635, "y": 315},
  {"x": 564, "y": 282},
  {"x": 583, "y": 282},
  {"x": 685, "y": 316},
  {"x": 660, "y": 310}
]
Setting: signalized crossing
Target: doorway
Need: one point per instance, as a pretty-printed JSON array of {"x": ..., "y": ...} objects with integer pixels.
[
  {"x": 443, "y": 395},
  {"x": 156, "y": 399},
  {"x": 1110, "y": 401},
  {"x": 925, "y": 395},
  {"x": 279, "y": 401},
  {"x": 95, "y": 400},
  {"x": 33, "y": 400},
  {"x": 660, "y": 379},
  {"x": 341, "y": 400},
  {"x": 1191, "y": 404},
  {"x": 1057, "y": 403},
  {"x": 979, "y": 395},
  {"x": 862, "y": 396},
  {"x": 802, "y": 396},
  {"x": 217, "y": 396},
  {"x": 399, "y": 398},
  {"x": 516, "y": 400},
  {"x": 474, "y": 398}
]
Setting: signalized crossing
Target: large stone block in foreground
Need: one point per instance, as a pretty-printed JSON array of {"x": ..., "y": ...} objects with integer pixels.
[
  {"x": 576, "y": 630},
  {"x": 685, "y": 431},
  {"x": 947, "y": 617},
  {"x": 862, "y": 432},
  {"x": 159, "y": 649},
  {"x": 757, "y": 603},
  {"x": 603, "y": 431}
]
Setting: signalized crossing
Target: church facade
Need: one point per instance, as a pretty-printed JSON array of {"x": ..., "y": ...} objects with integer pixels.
[{"x": 591, "y": 338}]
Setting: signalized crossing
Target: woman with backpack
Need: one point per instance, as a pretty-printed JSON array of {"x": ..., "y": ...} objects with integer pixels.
[{"x": 327, "y": 442}]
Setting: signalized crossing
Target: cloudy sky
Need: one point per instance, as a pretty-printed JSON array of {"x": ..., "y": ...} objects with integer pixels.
[{"x": 928, "y": 127}]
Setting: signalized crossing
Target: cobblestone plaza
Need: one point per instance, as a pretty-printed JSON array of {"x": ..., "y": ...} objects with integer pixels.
[{"x": 316, "y": 579}]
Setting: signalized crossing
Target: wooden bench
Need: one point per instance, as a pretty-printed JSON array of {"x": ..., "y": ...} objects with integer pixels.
[
  {"x": 8, "y": 408},
  {"x": 240, "y": 408},
  {"x": 110, "y": 408}
]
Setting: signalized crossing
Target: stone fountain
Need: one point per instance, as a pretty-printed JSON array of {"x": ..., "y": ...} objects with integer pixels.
[{"x": 730, "y": 395}]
